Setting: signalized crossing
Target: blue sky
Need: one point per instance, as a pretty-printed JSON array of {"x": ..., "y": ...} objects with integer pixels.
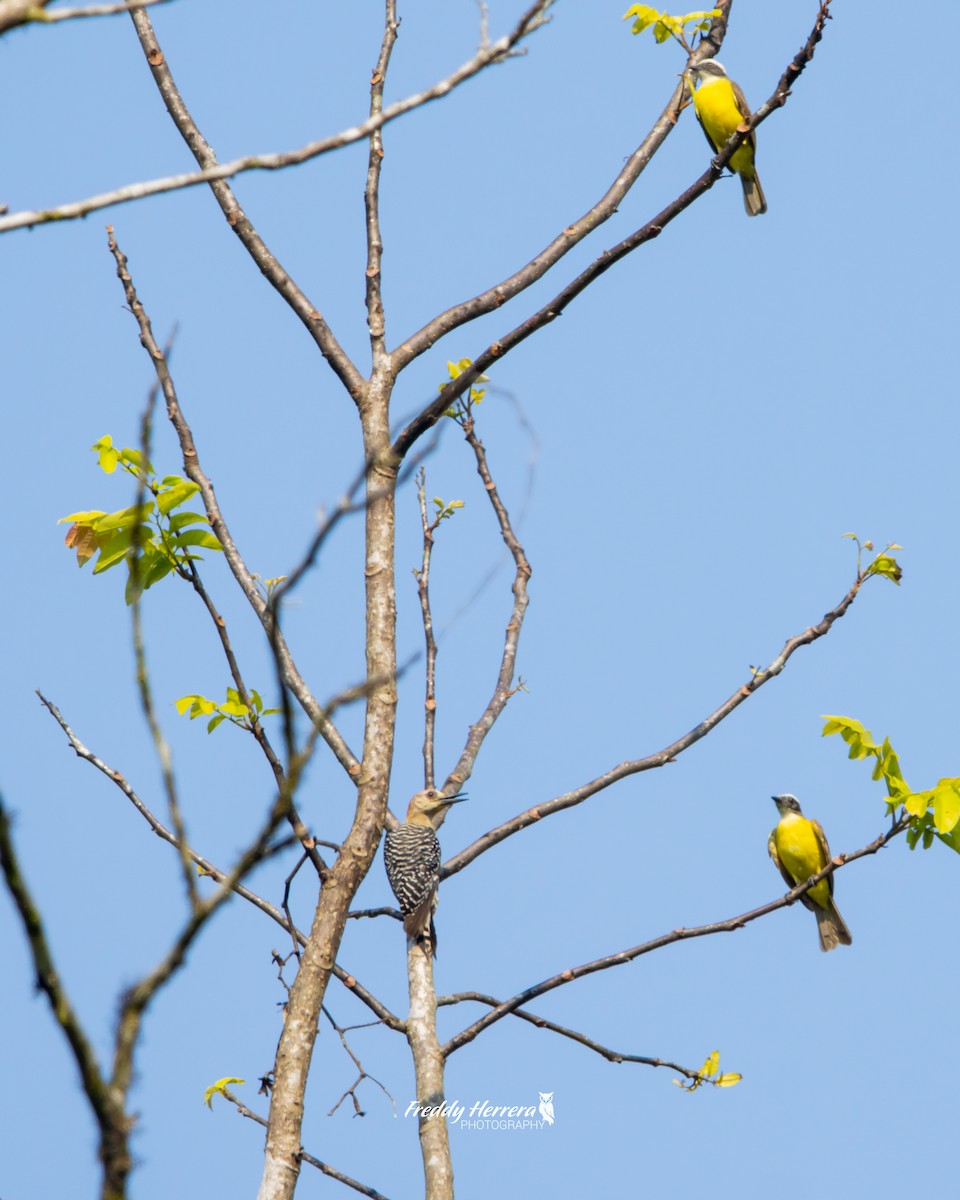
[{"x": 687, "y": 444}]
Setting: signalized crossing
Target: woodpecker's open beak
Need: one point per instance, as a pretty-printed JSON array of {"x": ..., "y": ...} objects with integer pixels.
[{"x": 457, "y": 798}]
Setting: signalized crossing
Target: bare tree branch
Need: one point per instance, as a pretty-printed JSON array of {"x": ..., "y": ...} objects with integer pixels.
[
  {"x": 36, "y": 11},
  {"x": 109, "y": 1114},
  {"x": 371, "y": 192},
  {"x": 193, "y": 471},
  {"x": 348, "y": 980},
  {"x": 503, "y": 690},
  {"x": 454, "y": 390},
  {"x": 489, "y": 54},
  {"x": 142, "y": 674},
  {"x": 614, "y": 1056},
  {"x": 385, "y": 911},
  {"x": 238, "y": 220},
  {"x": 423, "y": 591},
  {"x": 137, "y": 999},
  {"x": 323, "y": 1167},
  {"x": 660, "y": 758},
  {"x": 364, "y": 1073},
  {"x": 677, "y": 935},
  {"x": 569, "y": 237}
]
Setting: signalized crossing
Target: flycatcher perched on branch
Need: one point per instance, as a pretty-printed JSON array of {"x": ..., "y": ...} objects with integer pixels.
[
  {"x": 720, "y": 106},
  {"x": 798, "y": 847}
]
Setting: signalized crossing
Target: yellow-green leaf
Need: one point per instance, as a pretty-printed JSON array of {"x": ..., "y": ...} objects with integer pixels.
[
  {"x": 886, "y": 566},
  {"x": 729, "y": 1079},
  {"x": 219, "y": 1086},
  {"x": 712, "y": 1065},
  {"x": 859, "y": 739},
  {"x": 916, "y": 805},
  {"x": 946, "y": 805},
  {"x": 83, "y": 518}
]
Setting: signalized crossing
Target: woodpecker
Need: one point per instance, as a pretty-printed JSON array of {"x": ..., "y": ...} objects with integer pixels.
[{"x": 411, "y": 854}]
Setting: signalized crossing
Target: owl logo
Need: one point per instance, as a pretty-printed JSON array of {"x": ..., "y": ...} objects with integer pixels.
[{"x": 546, "y": 1107}]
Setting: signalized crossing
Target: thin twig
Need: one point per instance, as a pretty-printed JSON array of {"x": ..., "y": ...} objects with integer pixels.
[
  {"x": 137, "y": 999},
  {"x": 430, "y": 673},
  {"x": 371, "y": 193},
  {"x": 496, "y": 52},
  {"x": 503, "y": 690},
  {"x": 48, "y": 17},
  {"x": 614, "y": 1056},
  {"x": 364, "y": 1074},
  {"x": 677, "y": 935},
  {"x": 161, "y": 745},
  {"x": 323, "y": 1167},
  {"x": 386, "y": 911},
  {"x": 660, "y": 758}
]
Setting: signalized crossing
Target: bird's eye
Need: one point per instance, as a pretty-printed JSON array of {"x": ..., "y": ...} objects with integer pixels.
[{"x": 432, "y": 794}]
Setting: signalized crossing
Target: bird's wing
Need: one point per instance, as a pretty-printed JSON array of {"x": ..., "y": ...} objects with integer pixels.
[
  {"x": 824, "y": 850},
  {"x": 772, "y": 851},
  {"x": 751, "y": 138}
]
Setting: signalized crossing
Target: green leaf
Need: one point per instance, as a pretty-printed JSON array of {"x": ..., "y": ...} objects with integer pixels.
[
  {"x": 946, "y": 805},
  {"x": 177, "y": 493},
  {"x": 215, "y": 721},
  {"x": 83, "y": 518},
  {"x": 257, "y": 702},
  {"x": 179, "y": 520},
  {"x": 951, "y": 839},
  {"x": 107, "y": 456},
  {"x": 916, "y": 804},
  {"x": 198, "y": 705},
  {"x": 888, "y": 768},
  {"x": 886, "y": 566},
  {"x": 199, "y": 537},
  {"x": 114, "y": 550},
  {"x": 234, "y": 709},
  {"x": 859, "y": 739},
  {"x": 153, "y": 566},
  {"x": 219, "y": 1086},
  {"x": 125, "y": 516},
  {"x": 136, "y": 459},
  {"x": 644, "y": 15}
]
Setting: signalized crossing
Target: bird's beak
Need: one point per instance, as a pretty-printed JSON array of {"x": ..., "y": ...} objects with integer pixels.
[{"x": 457, "y": 798}]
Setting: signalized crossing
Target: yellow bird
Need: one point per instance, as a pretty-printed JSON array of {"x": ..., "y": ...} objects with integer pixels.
[
  {"x": 798, "y": 847},
  {"x": 721, "y": 106}
]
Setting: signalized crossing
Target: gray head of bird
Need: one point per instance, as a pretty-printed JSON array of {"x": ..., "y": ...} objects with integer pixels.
[
  {"x": 786, "y": 804},
  {"x": 709, "y": 69},
  {"x": 428, "y": 805}
]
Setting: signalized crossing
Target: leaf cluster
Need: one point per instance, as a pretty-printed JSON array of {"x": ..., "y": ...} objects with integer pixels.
[
  {"x": 710, "y": 1073},
  {"x": 233, "y": 709},
  {"x": 934, "y": 813},
  {"x": 151, "y": 537},
  {"x": 665, "y": 26},
  {"x": 476, "y": 394},
  {"x": 443, "y": 510}
]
